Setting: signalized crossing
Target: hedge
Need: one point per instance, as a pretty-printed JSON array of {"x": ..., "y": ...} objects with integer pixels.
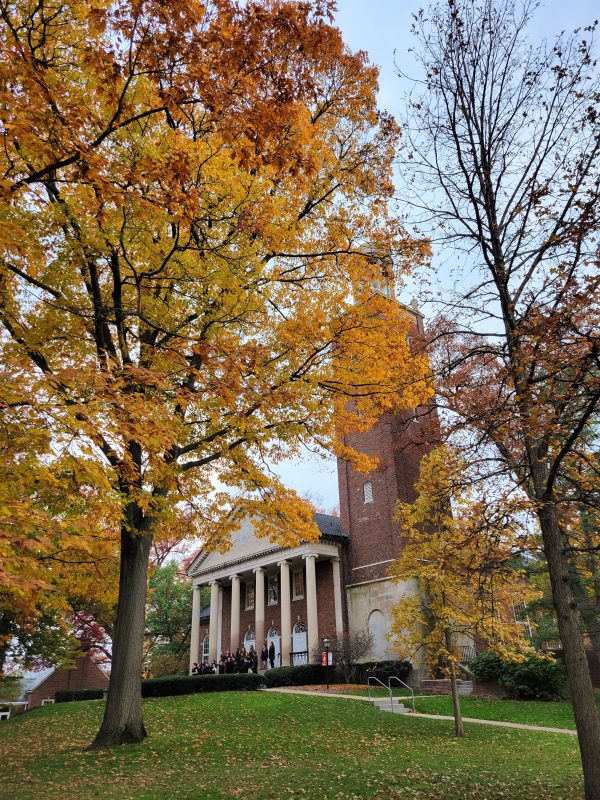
[
  {"x": 382, "y": 670},
  {"x": 176, "y": 685},
  {"x": 195, "y": 684},
  {"x": 302, "y": 675},
  {"x": 309, "y": 674},
  {"x": 535, "y": 678}
]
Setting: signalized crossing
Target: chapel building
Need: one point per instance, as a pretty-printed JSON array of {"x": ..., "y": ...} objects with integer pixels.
[{"x": 294, "y": 597}]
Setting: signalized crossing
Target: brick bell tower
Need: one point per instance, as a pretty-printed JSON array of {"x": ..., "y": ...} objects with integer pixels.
[{"x": 367, "y": 504}]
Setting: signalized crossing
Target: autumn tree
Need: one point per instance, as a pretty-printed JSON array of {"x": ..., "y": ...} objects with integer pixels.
[
  {"x": 58, "y": 554},
  {"x": 458, "y": 562},
  {"x": 184, "y": 292},
  {"x": 169, "y": 615},
  {"x": 504, "y": 147}
]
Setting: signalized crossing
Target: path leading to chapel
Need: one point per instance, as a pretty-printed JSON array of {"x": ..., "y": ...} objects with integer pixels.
[{"x": 495, "y": 723}]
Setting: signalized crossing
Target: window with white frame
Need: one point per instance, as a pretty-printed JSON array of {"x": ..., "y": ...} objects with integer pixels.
[
  {"x": 298, "y": 585},
  {"x": 368, "y": 492},
  {"x": 249, "y": 595},
  {"x": 273, "y": 590},
  {"x": 205, "y": 649}
]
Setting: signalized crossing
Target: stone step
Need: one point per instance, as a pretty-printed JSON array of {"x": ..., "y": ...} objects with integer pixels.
[{"x": 396, "y": 708}]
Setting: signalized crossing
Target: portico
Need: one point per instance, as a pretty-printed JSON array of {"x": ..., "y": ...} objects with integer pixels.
[{"x": 263, "y": 592}]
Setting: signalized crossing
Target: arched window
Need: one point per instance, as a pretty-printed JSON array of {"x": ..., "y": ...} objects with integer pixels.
[
  {"x": 299, "y": 627},
  {"x": 273, "y": 632},
  {"x": 378, "y": 630},
  {"x": 299, "y": 644},
  {"x": 249, "y": 639},
  {"x": 205, "y": 648}
]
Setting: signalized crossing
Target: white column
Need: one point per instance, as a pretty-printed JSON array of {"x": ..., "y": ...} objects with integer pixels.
[
  {"x": 337, "y": 597},
  {"x": 311, "y": 606},
  {"x": 259, "y": 609},
  {"x": 286, "y": 612},
  {"x": 234, "y": 639},
  {"x": 195, "y": 634},
  {"x": 213, "y": 629},
  {"x": 220, "y": 624}
]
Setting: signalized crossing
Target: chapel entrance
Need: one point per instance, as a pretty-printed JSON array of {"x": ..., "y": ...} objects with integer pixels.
[
  {"x": 249, "y": 640},
  {"x": 299, "y": 644},
  {"x": 274, "y": 636}
]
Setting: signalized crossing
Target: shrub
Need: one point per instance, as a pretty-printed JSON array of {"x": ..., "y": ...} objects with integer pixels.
[
  {"x": 69, "y": 695},
  {"x": 302, "y": 675},
  {"x": 10, "y": 687},
  {"x": 309, "y": 674},
  {"x": 165, "y": 663},
  {"x": 488, "y": 666},
  {"x": 382, "y": 670},
  {"x": 176, "y": 685},
  {"x": 193, "y": 684},
  {"x": 535, "y": 678}
]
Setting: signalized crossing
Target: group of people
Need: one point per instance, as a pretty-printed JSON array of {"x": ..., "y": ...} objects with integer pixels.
[{"x": 241, "y": 661}]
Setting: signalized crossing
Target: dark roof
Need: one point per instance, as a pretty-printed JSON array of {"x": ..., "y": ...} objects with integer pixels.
[{"x": 330, "y": 526}]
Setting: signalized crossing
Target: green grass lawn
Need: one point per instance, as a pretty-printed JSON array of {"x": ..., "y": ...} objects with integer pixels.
[
  {"x": 268, "y": 746},
  {"x": 531, "y": 712}
]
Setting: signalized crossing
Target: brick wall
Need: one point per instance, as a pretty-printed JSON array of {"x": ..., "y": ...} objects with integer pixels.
[
  {"x": 85, "y": 675},
  {"x": 325, "y": 600},
  {"x": 400, "y": 440},
  {"x": 375, "y": 538}
]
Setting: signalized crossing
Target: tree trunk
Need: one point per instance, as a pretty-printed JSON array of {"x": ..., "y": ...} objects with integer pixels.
[
  {"x": 123, "y": 723},
  {"x": 580, "y": 684},
  {"x": 458, "y": 723}
]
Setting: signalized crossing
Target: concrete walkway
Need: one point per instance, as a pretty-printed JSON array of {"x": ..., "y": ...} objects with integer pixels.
[{"x": 495, "y": 723}]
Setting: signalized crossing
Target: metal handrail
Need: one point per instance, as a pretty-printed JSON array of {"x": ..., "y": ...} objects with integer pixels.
[
  {"x": 410, "y": 689},
  {"x": 389, "y": 691}
]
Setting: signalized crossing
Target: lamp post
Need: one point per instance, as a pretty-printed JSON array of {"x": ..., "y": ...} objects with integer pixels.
[{"x": 326, "y": 643}]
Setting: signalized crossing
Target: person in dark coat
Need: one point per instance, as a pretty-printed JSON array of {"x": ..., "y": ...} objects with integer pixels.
[
  {"x": 264, "y": 656},
  {"x": 253, "y": 659},
  {"x": 272, "y": 655}
]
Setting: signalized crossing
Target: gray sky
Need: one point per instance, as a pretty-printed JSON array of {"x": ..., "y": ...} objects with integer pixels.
[{"x": 382, "y": 29}]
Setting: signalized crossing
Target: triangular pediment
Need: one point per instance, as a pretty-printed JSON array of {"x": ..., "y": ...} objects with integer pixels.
[{"x": 244, "y": 545}]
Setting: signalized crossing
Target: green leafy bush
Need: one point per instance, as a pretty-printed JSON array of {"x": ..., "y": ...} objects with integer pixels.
[
  {"x": 310, "y": 674},
  {"x": 488, "y": 666},
  {"x": 383, "y": 670},
  {"x": 163, "y": 663},
  {"x": 535, "y": 678},
  {"x": 10, "y": 688},
  {"x": 192, "y": 684},
  {"x": 302, "y": 675}
]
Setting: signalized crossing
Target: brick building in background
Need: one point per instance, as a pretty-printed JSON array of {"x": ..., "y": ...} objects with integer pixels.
[
  {"x": 294, "y": 597},
  {"x": 85, "y": 674}
]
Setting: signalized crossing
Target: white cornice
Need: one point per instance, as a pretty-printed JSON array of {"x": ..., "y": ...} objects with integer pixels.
[{"x": 267, "y": 558}]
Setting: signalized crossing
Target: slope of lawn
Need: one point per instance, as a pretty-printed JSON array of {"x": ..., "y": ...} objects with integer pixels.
[
  {"x": 271, "y": 746},
  {"x": 557, "y": 714}
]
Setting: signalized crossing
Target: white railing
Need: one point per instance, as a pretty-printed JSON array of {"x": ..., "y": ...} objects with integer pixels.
[
  {"x": 387, "y": 688},
  {"x": 394, "y": 678}
]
